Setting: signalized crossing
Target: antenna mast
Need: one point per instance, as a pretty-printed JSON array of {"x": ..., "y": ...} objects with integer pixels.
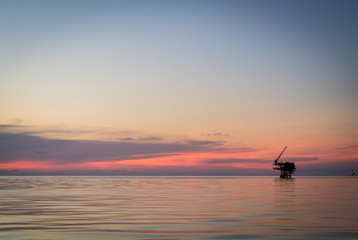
[{"x": 280, "y": 155}]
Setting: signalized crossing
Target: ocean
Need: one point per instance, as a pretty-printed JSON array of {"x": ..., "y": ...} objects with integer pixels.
[{"x": 38, "y": 208}]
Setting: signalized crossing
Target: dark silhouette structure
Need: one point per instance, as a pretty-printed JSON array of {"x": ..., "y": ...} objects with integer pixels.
[
  {"x": 286, "y": 168},
  {"x": 352, "y": 173}
]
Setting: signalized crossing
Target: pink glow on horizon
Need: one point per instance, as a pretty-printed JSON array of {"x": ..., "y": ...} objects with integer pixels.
[
  {"x": 177, "y": 159},
  {"x": 43, "y": 165},
  {"x": 251, "y": 161}
]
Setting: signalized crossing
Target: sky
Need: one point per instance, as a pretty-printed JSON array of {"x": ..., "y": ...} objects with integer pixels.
[{"x": 178, "y": 87}]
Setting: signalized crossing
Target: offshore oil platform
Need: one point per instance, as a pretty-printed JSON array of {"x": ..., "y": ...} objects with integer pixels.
[{"x": 286, "y": 168}]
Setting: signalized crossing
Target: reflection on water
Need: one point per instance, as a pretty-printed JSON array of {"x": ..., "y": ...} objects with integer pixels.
[{"x": 178, "y": 208}]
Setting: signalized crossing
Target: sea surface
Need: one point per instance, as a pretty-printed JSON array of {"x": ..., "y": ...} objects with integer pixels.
[{"x": 166, "y": 208}]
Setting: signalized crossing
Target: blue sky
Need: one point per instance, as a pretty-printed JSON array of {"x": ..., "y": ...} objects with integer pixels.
[{"x": 263, "y": 73}]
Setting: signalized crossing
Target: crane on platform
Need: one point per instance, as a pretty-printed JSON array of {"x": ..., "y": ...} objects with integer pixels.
[{"x": 286, "y": 168}]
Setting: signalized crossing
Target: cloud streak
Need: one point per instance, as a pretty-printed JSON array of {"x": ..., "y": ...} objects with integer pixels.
[
  {"x": 242, "y": 160},
  {"x": 139, "y": 155},
  {"x": 233, "y": 160},
  {"x": 14, "y": 147},
  {"x": 301, "y": 159},
  {"x": 346, "y": 148}
]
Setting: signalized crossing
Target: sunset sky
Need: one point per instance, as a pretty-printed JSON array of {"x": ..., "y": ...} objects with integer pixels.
[{"x": 178, "y": 87}]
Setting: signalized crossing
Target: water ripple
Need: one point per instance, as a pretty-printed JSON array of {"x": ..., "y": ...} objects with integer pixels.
[{"x": 170, "y": 208}]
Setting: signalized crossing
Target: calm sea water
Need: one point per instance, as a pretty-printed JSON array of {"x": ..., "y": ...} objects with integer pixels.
[{"x": 178, "y": 208}]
